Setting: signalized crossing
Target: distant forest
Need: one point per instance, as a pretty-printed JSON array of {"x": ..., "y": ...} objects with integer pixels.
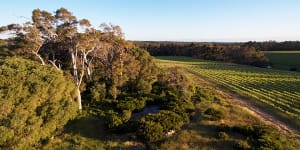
[
  {"x": 249, "y": 53},
  {"x": 262, "y": 46}
]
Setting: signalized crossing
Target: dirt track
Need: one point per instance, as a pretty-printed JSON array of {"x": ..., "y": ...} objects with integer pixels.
[
  {"x": 269, "y": 119},
  {"x": 265, "y": 116}
]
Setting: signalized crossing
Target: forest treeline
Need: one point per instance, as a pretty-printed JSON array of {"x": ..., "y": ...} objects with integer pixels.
[
  {"x": 275, "y": 46},
  {"x": 242, "y": 53},
  {"x": 261, "y": 46},
  {"x": 55, "y": 60}
]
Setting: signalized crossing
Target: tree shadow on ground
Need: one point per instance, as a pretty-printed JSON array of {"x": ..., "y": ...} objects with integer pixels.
[
  {"x": 93, "y": 128},
  {"x": 89, "y": 127}
]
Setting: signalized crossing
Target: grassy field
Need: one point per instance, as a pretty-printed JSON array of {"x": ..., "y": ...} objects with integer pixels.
[
  {"x": 276, "y": 89},
  {"x": 287, "y": 60}
]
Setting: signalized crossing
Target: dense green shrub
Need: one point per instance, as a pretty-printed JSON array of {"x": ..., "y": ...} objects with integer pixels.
[
  {"x": 182, "y": 107},
  {"x": 242, "y": 145},
  {"x": 198, "y": 95},
  {"x": 203, "y": 94},
  {"x": 5, "y": 52},
  {"x": 115, "y": 119},
  {"x": 150, "y": 131},
  {"x": 173, "y": 99},
  {"x": 214, "y": 114},
  {"x": 168, "y": 119},
  {"x": 265, "y": 142},
  {"x": 117, "y": 113},
  {"x": 35, "y": 101},
  {"x": 131, "y": 103},
  {"x": 260, "y": 137},
  {"x": 153, "y": 126},
  {"x": 97, "y": 92}
]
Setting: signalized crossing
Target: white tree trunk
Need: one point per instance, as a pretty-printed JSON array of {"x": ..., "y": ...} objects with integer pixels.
[
  {"x": 78, "y": 83},
  {"x": 88, "y": 71},
  {"x": 121, "y": 66},
  {"x": 54, "y": 65},
  {"x": 79, "y": 98},
  {"x": 74, "y": 67},
  {"x": 40, "y": 57},
  {"x": 76, "y": 78},
  {"x": 87, "y": 65}
]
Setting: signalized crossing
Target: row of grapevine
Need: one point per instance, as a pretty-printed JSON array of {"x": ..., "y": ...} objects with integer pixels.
[{"x": 277, "y": 88}]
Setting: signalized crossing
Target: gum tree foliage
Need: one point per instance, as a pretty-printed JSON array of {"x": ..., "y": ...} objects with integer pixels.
[
  {"x": 35, "y": 101},
  {"x": 175, "y": 81},
  {"x": 65, "y": 42},
  {"x": 146, "y": 72}
]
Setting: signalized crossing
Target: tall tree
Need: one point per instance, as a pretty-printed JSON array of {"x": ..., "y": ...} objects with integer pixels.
[
  {"x": 67, "y": 32},
  {"x": 112, "y": 56},
  {"x": 45, "y": 23},
  {"x": 71, "y": 44}
]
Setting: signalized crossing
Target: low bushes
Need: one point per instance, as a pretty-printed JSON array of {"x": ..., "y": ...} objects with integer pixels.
[
  {"x": 214, "y": 114},
  {"x": 161, "y": 122},
  {"x": 116, "y": 119},
  {"x": 241, "y": 145},
  {"x": 258, "y": 137},
  {"x": 131, "y": 103},
  {"x": 171, "y": 93}
]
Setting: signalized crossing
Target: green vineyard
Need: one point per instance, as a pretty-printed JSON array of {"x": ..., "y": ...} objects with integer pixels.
[{"x": 279, "y": 89}]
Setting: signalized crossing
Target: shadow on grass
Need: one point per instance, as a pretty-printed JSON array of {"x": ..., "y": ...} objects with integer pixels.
[
  {"x": 89, "y": 127},
  {"x": 85, "y": 131}
]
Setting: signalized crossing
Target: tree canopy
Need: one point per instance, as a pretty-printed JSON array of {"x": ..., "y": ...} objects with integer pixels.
[
  {"x": 74, "y": 45},
  {"x": 112, "y": 77},
  {"x": 35, "y": 101}
]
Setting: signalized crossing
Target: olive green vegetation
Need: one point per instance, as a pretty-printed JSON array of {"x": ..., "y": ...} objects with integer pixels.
[
  {"x": 227, "y": 127},
  {"x": 170, "y": 94},
  {"x": 205, "y": 121},
  {"x": 274, "y": 89},
  {"x": 200, "y": 116},
  {"x": 124, "y": 100},
  {"x": 219, "y": 124},
  {"x": 35, "y": 101},
  {"x": 120, "y": 124},
  {"x": 95, "y": 57},
  {"x": 113, "y": 78},
  {"x": 287, "y": 60}
]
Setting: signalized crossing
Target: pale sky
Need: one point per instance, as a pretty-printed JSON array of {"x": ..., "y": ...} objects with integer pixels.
[{"x": 177, "y": 20}]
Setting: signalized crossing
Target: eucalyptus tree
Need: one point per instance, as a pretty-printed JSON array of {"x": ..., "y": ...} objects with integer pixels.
[
  {"x": 77, "y": 44},
  {"x": 61, "y": 30},
  {"x": 65, "y": 42},
  {"x": 27, "y": 37},
  {"x": 44, "y": 27}
]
